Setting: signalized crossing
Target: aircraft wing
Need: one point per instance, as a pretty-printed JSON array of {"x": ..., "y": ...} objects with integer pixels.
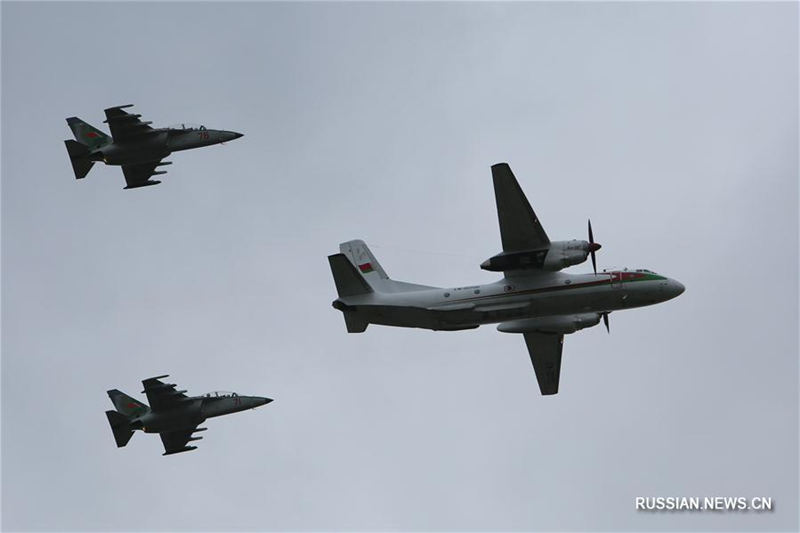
[
  {"x": 162, "y": 396},
  {"x": 545, "y": 352},
  {"x": 519, "y": 227},
  {"x": 176, "y": 441},
  {"x": 139, "y": 175},
  {"x": 125, "y": 126}
]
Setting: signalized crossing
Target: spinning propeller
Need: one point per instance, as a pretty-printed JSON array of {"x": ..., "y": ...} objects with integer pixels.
[{"x": 593, "y": 247}]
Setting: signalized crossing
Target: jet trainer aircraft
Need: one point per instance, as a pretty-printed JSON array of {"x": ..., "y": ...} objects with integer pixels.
[
  {"x": 533, "y": 298},
  {"x": 134, "y": 145},
  {"x": 171, "y": 413}
]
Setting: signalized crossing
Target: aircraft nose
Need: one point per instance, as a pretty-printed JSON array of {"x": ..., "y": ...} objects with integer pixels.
[
  {"x": 676, "y": 287},
  {"x": 233, "y": 135},
  {"x": 265, "y": 401}
]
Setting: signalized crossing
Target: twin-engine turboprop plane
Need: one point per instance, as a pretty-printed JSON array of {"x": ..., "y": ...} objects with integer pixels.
[
  {"x": 134, "y": 145},
  {"x": 171, "y": 413},
  {"x": 533, "y": 298}
]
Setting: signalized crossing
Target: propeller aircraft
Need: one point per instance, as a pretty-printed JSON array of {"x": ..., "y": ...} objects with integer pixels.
[{"x": 533, "y": 298}]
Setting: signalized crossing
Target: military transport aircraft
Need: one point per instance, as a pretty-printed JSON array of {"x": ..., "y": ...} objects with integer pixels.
[
  {"x": 533, "y": 298},
  {"x": 171, "y": 413},
  {"x": 134, "y": 145}
]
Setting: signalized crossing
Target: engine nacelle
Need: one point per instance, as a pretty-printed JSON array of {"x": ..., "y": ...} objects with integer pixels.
[
  {"x": 506, "y": 261},
  {"x": 563, "y": 324},
  {"x": 565, "y": 253},
  {"x": 559, "y": 254}
]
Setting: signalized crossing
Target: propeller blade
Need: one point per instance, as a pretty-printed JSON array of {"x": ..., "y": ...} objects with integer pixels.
[
  {"x": 593, "y": 247},
  {"x": 605, "y": 321}
]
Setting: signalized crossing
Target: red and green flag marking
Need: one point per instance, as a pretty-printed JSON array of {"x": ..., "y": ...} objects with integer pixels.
[{"x": 366, "y": 268}]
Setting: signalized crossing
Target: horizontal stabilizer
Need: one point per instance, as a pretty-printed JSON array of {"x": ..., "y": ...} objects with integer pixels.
[
  {"x": 79, "y": 157},
  {"x": 354, "y": 323},
  {"x": 120, "y": 426},
  {"x": 348, "y": 281}
]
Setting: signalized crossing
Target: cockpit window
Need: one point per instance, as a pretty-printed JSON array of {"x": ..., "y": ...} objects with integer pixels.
[
  {"x": 188, "y": 126},
  {"x": 220, "y": 394}
]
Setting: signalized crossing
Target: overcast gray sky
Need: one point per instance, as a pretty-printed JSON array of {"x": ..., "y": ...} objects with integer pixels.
[{"x": 674, "y": 126}]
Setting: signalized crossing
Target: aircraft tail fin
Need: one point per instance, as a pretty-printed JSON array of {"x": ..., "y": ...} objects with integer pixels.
[
  {"x": 362, "y": 259},
  {"x": 120, "y": 425},
  {"x": 361, "y": 256},
  {"x": 126, "y": 405},
  {"x": 87, "y": 134},
  {"x": 349, "y": 282},
  {"x": 79, "y": 156}
]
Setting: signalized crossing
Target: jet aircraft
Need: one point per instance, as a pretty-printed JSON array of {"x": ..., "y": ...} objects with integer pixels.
[
  {"x": 134, "y": 145},
  {"x": 171, "y": 413},
  {"x": 533, "y": 298}
]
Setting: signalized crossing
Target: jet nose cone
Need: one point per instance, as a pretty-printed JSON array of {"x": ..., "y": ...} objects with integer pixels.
[
  {"x": 231, "y": 135},
  {"x": 265, "y": 401}
]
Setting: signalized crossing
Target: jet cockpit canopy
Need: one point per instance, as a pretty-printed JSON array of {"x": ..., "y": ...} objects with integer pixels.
[
  {"x": 219, "y": 394},
  {"x": 188, "y": 126}
]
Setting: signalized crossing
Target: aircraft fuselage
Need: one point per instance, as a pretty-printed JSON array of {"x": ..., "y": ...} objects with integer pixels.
[
  {"x": 581, "y": 297},
  {"x": 193, "y": 411},
  {"x": 155, "y": 147}
]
